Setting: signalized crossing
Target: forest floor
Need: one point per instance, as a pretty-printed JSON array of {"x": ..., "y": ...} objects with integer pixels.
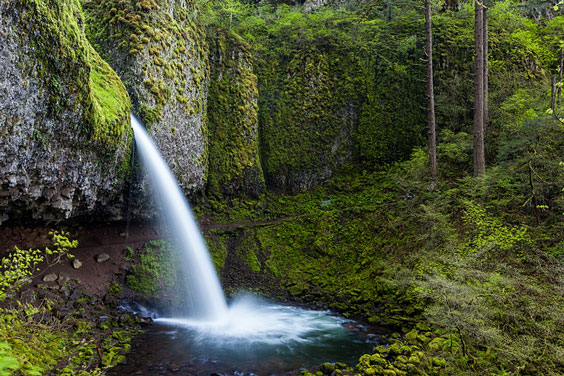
[{"x": 93, "y": 240}]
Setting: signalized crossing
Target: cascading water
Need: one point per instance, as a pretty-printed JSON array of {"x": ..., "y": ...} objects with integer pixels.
[
  {"x": 245, "y": 335},
  {"x": 206, "y": 299}
]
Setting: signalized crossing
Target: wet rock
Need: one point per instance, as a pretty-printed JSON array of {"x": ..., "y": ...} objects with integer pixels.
[
  {"x": 145, "y": 321},
  {"x": 76, "y": 263},
  {"x": 102, "y": 257},
  {"x": 51, "y": 277},
  {"x": 327, "y": 368}
]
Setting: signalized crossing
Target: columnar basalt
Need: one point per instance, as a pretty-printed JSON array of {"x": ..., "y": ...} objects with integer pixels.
[
  {"x": 63, "y": 116},
  {"x": 160, "y": 53}
]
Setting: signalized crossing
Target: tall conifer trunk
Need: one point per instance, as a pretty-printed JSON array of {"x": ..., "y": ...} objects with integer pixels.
[
  {"x": 430, "y": 92},
  {"x": 486, "y": 67},
  {"x": 479, "y": 158}
]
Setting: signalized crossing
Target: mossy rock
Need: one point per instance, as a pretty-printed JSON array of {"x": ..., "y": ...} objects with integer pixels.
[{"x": 74, "y": 127}]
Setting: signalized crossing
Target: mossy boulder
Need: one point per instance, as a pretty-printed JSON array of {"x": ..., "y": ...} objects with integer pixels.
[
  {"x": 64, "y": 116},
  {"x": 161, "y": 55}
]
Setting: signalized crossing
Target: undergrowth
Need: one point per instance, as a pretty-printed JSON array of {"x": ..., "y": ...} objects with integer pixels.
[
  {"x": 43, "y": 333},
  {"x": 477, "y": 260}
]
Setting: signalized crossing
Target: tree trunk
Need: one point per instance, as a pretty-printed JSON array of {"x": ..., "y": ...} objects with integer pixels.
[
  {"x": 479, "y": 158},
  {"x": 560, "y": 68},
  {"x": 486, "y": 67},
  {"x": 430, "y": 91},
  {"x": 553, "y": 95}
]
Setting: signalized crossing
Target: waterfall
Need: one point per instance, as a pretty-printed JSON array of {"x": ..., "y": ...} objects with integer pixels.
[{"x": 207, "y": 302}]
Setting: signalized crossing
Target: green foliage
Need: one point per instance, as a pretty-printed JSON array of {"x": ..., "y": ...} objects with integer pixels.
[
  {"x": 20, "y": 266},
  {"x": 489, "y": 234},
  {"x": 17, "y": 270},
  {"x": 8, "y": 363},
  {"x": 29, "y": 346},
  {"x": 321, "y": 97},
  {"x": 468, "y": 258}
]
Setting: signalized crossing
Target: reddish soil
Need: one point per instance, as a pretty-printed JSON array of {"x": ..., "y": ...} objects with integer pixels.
[{"x": 93, "y": 240}]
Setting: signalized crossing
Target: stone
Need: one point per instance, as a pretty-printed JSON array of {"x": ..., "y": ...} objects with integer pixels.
[
  {"x": 145, "y": 321},
  {"x": 102, "y": 257},
  {"x": 76, "y": 263},
  {"x": 63, "y": 163},
  {"x": 66, "y": 291},
  {"x": 28, "y": 296},
  {"x": 51, "y": 277},
  {"x": 76, "y": 294},
  {"x": 63, "y": 278}
]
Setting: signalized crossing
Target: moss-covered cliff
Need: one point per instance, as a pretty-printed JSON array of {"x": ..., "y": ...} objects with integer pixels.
[
  {"x": 160, "y": 53},
  {"x": 234, "y": 161},
  {"x": 335, "y": 92},
  {"x": 64, "y": 116}
]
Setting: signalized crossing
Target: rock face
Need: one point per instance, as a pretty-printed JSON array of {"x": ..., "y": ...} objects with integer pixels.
[
  {"x": 161, "y": 56},
  {"x": 64, "y": 116},
  {"x": 234, "y": 162},
  {"x": 308, "y": 114}
]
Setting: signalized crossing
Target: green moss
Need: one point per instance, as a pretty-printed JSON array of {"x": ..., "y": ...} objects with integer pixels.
[
  {"x": 155, "y": 269},
  {"x": 110, "y": 102},
  {"x": 234, "y": 162},
  {"x": 218, "y": 246},
  {"x": 149, "y": 32},
  {"x": 247, "y": 251},
  {"x": 75, "y": 76}
]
